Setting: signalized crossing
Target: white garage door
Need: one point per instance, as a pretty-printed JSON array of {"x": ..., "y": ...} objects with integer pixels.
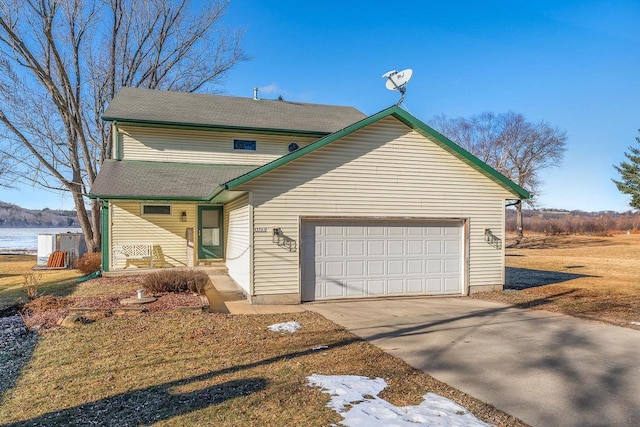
[{"x": 349, "y": 259}]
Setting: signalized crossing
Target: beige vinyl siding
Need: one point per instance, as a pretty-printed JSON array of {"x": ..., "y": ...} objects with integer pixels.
[
  {"x": 383, "y": 170},
  {"x": 194, "y": 146},
  {"x": 166, "y": 232},
  {"x": 238, "y": 241}
]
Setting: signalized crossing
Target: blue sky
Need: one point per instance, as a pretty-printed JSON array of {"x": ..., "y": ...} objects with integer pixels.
[{"x": 575, "y": 64}]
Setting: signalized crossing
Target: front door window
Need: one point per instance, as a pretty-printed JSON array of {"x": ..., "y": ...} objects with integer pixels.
[{"x": 210, "y": 232}]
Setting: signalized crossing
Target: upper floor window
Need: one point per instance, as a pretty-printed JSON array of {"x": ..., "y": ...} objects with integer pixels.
[{"x": 244, "y": 144}]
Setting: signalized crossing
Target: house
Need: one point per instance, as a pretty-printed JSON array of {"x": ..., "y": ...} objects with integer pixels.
[{"x": 301, "y": 202}]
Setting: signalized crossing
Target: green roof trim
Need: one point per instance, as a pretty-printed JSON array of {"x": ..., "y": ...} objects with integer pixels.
[
  {"x": 205, "y": 127},
  {"x": 409, "y": 120}
]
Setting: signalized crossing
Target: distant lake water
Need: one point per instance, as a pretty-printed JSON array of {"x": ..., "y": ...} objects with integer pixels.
[{"x": 19, "y": 240}]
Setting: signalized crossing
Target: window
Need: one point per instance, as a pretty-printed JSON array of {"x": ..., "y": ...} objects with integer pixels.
[
  {"x": 156, "y": 209},
  {"x": 244, "y": 144}
]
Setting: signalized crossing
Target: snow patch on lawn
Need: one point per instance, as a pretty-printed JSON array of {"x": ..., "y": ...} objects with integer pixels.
[
  {"x": 284, "y": 327},
  {"x": 356, "y": 399},
  {"x": 635, "y": 323}
]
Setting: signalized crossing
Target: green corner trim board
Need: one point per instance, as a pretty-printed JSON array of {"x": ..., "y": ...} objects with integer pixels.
[{"x": 408, "y": 120}]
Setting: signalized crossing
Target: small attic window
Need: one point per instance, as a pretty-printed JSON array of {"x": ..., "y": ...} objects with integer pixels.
[{"x": 245, "y": 144}]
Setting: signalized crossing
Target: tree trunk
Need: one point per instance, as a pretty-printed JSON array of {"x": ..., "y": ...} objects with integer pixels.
[
  {"x": 83, "y": 220},
  {"x": 519, "y": 233},
  {"x": 96, "y": 224}
]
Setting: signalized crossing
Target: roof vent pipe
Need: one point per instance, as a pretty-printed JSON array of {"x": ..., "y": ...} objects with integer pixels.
[{"x": 255, "y": 93}]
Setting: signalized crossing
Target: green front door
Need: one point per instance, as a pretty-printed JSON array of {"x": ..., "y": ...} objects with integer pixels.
[{"x": 210, "y": 238}]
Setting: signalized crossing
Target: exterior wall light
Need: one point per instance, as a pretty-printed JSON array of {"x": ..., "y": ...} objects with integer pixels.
[{"x": 183, "y": 216}]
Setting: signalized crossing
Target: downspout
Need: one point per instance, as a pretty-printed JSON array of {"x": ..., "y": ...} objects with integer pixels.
[
  {"x": 116, "y": 140},
  {"x": 104, "y": 229}
]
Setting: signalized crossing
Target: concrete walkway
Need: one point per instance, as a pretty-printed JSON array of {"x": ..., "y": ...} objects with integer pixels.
[
  {"x": 544, "y": 368},
  {"x": 224, "y": 297}
]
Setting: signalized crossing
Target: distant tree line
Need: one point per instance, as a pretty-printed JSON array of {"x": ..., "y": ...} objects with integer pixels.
[
  {"x": 15, "y": 216},
  {"x": 554, "y": 222}
]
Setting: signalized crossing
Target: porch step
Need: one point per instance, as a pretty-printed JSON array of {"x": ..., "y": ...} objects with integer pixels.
[{"x": 213, "y": 268}]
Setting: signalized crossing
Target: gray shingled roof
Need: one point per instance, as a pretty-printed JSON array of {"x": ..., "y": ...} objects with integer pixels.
[
  {"x": 155, "y": 106},
  {"x": 158, "y": 180}
]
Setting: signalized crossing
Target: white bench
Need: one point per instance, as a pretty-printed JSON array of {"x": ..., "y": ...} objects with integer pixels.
[{"x": 133, "y": 250}]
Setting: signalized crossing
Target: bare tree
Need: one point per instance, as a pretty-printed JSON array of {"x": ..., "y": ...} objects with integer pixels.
[
  {"x": 62, "y": 61},
  {"x": 6, "y": 176},
  {"x": 515, "y": 147}
]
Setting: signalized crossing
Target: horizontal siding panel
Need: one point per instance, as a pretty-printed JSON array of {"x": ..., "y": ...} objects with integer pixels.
[
  {"x": 166, "y": 232},
  {"x": 382, "y": 170},
  {"x": 172, "y": 145}
]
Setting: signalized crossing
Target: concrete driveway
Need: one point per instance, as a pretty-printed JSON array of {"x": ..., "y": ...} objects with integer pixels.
[{"x": 544, "y": 368}]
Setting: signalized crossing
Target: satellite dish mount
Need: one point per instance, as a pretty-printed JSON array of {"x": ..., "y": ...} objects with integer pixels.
[{"x": 397, "y": 80}]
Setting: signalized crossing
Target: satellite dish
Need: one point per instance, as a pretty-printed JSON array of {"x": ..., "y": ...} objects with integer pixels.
[{"x": 397, "y": 80}]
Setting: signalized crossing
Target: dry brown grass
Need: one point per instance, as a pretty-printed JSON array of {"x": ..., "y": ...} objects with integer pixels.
[
  {"x": 12, "y": 270},
  {"x": 211, "y": 369},
  {"x": 197, "y": 369},
  {"x": 606, "y": 286}
]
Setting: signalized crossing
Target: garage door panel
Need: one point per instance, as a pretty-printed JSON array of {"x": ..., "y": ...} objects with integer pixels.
[
  {"x": 415, "y": 231},
  {"x": 415, "y": 266},
  {"x": 355, "y": 248},
  {"x": 395, "y": 268},
  {"x": 415, "y": 247},
  {"x": 434, "y": 266},
  {"x": 415, "y": 286},
  {"x": 375, "y": 268},
  {"x": 395, "y": 287},
  {"x": 355, "y": 268},
  {"x": 334, "y": 289},
  {"x": 375, "y": 287},
  {"x": 451, "y": 284},
  {"x": 434, "y": 231},
  {"x": 434, "y": 286},
  {"x": 395, "y": 231},
  {"x": 375, "y": 247},
  {"x": 334, "y": 269},
  {"x": 334, "y": 248},
  {"x": 334, "y": 231},
  {"x": 342, "y": 260},
  {"x": 395, "y": 247},
  {"x": 452, "y": 231},
  {"x": 451, "y": 247},
  {"x": 355, "y": 288},
  {"x": 451, "y": 266},
  {"x": 355, "y": 231},
  {"x": 434, "y": 247},
  {"x": 375, "y": 231}
]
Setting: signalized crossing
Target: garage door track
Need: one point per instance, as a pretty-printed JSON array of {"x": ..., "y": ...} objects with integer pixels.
[{"x": 545, "y": 368}]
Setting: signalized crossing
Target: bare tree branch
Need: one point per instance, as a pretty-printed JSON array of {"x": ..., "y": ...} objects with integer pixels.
[
  {"x": 56, "y": 79},
  {"x": 515, "y": 147}
]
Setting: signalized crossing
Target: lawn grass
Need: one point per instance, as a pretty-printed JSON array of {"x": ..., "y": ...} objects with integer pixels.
[
  {"x": 205, "y": 369},
  {"x": 601, "y": 276},
  {"x": 12, "y": 271}
]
